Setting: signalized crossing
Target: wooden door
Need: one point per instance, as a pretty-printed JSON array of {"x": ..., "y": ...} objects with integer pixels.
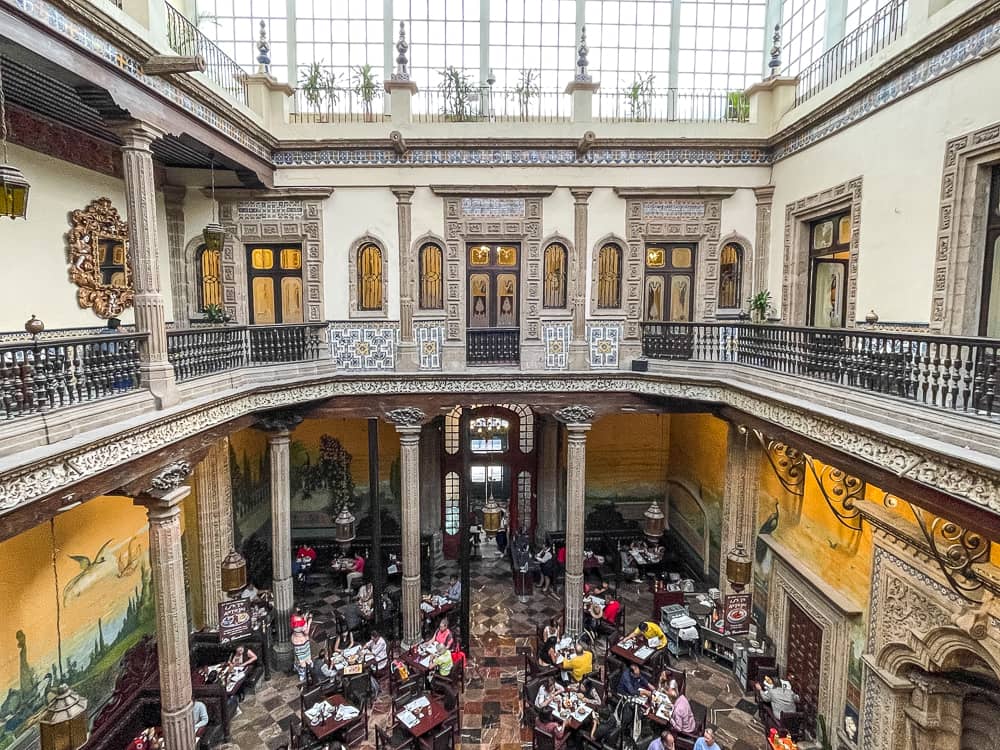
[
  {"x": 275, "y": 275},
  {"x": 804, "y": 647}
]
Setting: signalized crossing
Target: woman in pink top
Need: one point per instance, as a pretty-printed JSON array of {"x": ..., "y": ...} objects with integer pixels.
[{"x": 358, "y": 572}]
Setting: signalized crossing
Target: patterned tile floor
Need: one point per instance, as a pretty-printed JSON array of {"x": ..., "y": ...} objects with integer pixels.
[{"x": 502, "y": 629}]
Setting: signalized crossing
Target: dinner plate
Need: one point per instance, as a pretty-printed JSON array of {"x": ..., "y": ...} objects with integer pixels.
[{"x": 737, "y": 615}]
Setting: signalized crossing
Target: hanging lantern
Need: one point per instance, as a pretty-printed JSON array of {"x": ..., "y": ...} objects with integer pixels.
[
  {"x": 491, "y": 517},
  {"x": 63, "y": 724},
  {"x": 13, "y": 192},
  {"x": 214, "y": 235},
  {"x": 344, "y": 527},
  {"x": 234, "y": 572},
  {"x": 739, "y": 567},
  {"x": 653, "y": 522}
]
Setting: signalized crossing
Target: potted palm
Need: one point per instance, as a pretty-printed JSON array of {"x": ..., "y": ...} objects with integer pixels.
[
  {"x": 760, "y": 306},
  {"x": 638, "y": 96},
  {"x": 526, "y": 90},
  {"x": 737, "y": 106},
  {"x": 457, "y": 89},
  {"x": 365, "y": 87}
]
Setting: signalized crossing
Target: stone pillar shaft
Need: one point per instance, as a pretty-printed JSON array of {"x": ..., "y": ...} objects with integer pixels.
[
  {"x": 581, "y": 197},
  {"x": 167, "y": 562},
  {"x": 143, "y": 251},
  {"x": 577, "y": 419},
  {"x": 281, "y": 541},
  {"x": 765, "y": 196},
  {"x": 407, "y": 264},
  {"x": 740, "y": 497},
  {"x": 409, "y": 469},
  {"x": 548, "y": 478},
  {"x": 215, "y": 525}
]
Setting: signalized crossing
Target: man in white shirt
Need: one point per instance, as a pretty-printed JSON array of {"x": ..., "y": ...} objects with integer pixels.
[
  {"x": 376, "y": 644},
  {"x": 200, "y": 715}
]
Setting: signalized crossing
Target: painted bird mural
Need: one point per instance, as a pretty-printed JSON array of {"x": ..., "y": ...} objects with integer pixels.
[
  {"x": 768, "y": 527},
  {"x": 88, "y": 572}
]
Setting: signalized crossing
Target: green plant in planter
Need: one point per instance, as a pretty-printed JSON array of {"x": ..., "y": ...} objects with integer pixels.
[
  {"x": 760, "y": 305},
  {"x": 216, "y": 314},
  {"x": 737, "y": 106},
  {"x": 639, "y": 96},
  {"x": 527, "y": 89},
  {"x": 458, "y": 92},
  {"x": 318, "y": 85},
  {"x": 365, "y": 86}
]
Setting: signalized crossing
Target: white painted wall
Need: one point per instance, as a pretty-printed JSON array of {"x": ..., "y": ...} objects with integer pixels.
[
  {"x": 426, "y": 214},
  {"x": 557, "y": 214},
  {"x": 605, "y": 215},
  {"x": 899, "y": 152},
  {"x": 35, "y": 278}
]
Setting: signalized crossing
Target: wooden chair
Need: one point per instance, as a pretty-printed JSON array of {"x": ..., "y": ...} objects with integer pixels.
[
  {"x": 398, "y": 739},
  {"x": 529, "y": 692},
  {"x": 358, "y": 688},
  {"x": 357, "y": 731},
  {"x": 443, "y": 739},
  {"x": 534, "y": 669},
  {"x": 542, "y": 740}
]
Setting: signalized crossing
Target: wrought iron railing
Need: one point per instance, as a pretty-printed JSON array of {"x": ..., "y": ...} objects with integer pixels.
[
  {"x": 286, "y": 343},
  {"x": 873, "y": 35},
  {"x": 186, "y": 39},
  {"x": 36, "y": 376},
  {"x": 196, "y": 352},
  {"x": 670, "y": 105},
  {"x": 493, "y": 346},
  {"x": 947, "y": 372},
  {"x": 489, "y": 104},
  {"x": 337, "y": 104}
]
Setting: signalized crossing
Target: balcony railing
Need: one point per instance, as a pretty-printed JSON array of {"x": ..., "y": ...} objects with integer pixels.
[
  {"x": 488, "y": 104},
  {"x": 186, "y": 39},
  {"x": 873, "y": 35},
  {"x": 285, "y": 343},
  {"x": 197, "y": 352},
  {"x": 337, "y": 104},
  {"x": 957, "y": 374},
  {"x": 51, "y": 373},
  {"x": 670, "y": 105},
  {"x": 493, "y": 346}
]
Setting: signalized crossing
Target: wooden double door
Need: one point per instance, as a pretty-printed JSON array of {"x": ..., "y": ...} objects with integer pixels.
[{"x": 804, "y": 649}]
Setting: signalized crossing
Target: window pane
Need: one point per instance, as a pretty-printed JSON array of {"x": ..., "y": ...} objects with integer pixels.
[
  {"x": 262, "y": 258},
  {"x": 370, "y": 278}
]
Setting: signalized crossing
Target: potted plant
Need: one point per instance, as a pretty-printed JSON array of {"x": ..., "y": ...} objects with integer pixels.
[
  {"x": 365, "y": 86},
  {"x": 318, "y": 84},
  {"x": 216, "y": 314},
  {"x": 639, "y": 95},
  {"x": 760, "y": 305},
  {"x": 526, "y": 90},
  {"x": 457, "y": 89},
  {"x": 737, "y": 106}
]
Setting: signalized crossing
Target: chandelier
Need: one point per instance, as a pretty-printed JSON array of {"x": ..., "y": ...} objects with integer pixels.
[{"x": 489, "y": 428}]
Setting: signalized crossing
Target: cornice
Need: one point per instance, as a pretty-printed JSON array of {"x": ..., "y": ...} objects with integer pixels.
[
  {"x": 542, "y": 142},
  {"x": 489, "y": 191},
  {"x": 674, "y": 192},
  {"x": 283, "y": 193}
]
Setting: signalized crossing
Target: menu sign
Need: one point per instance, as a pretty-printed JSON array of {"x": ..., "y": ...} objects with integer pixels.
[
  {"x": 234, "y": 620},
  {"x": 737, "y": 609}
]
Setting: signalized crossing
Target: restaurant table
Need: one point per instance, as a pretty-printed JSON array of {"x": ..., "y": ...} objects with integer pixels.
[
  {"x": 569, "y": 714},
  {"x": 626, "y": 650},
  {"x": 414, "y": 660},
  {"x": 331, "y": 725},
  {"x": 659, "y": 714},
  {"x": 199, "y": 674},
  {"x": 340, "y": 662},
  {"x": 434, "y": 716}
]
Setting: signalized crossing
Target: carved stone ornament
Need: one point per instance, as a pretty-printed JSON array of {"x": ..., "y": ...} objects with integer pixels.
[
  {"x": 276, "y": 421},
  {"x": 406, "y": 416},
  {"x": 171, "y": 477},
  {"x": 99, "y": 259},
  {"x": 576, "y": 414}
]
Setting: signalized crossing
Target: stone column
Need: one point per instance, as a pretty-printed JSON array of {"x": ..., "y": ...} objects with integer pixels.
[
  {"x": 765, "y": 196},
  {"x": 162, "y": 501},
  {"x": 740, "y": 498},
  {"x": 578, "y": 349},
  {"x": 577, "y": 419},
  {"x": 407, "y": 275},
  {"x": 279, "y": 426},
  {"x": 408, "y": 424},
  {"x": 548, "y": 477},
  {"x": 215, "y": 525},
  {"x": 173, "y": 203},
  {"x": 140, "y": 198}
]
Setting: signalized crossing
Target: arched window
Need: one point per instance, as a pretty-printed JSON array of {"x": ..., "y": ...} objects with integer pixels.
[
  {"x": 370, "y": 278},
  {"x": 209, "y": 278},
  {"x": 730, "y": 276},
  {"x": 609, "y": 277},
  {"x": 431, "y": 277},
  {"x": 555, "y": 276}
]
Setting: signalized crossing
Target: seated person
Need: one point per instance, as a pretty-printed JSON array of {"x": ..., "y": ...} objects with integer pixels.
[
  {"x": 552, "y": 630},
  {"x": 666, "y": 681},
  {"x": 546, "y": 691},
  {"x": 706, "y": 741},
  {"x": 377, "y": 645},
  {"x": 650, "y": 630},
  {"x": 443, "y": 635},
  {"x": 348, "y": 641},
  {"x": 242, "y": 658},
  {"x": 443, "y": 661},
  {"x": 597, "y": 588},
  {"x": 358, "y": 572},
  {"x": 366, "y": 600},
  {"x": 454, "y": 592},
  {"x": 682, "y": 717},
  {"x": 633, "y": 683},
  {"x": 547, "y": 723},
  {"x": 200, "y": 715},
  {"x": 323, "y": 668},
  {"x": 588, "y": 693},
  {"x": 783, "y": 700},
  {"x": 580, "y": 664},
  {"x": 664, "y": 742},
  {"x": 249, "y": 591}
]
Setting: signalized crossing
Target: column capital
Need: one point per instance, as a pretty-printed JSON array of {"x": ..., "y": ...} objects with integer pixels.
[
  {"x": 581, "y": 194},
  {"x": 764, "y": 194},
  {"x": 166, "y": 491},
  {"x": 576, "y": 417},
  {"x": 278, "y": 423},
  {"x": 403, "y": 193},
  {"x": 135, "y": 134},
  {"x": 407, "y": 418}
]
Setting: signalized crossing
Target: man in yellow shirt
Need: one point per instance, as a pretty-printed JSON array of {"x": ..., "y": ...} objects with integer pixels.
[
  {"x": 580, "y": 664},
  {"x": 650, "y": 630}
]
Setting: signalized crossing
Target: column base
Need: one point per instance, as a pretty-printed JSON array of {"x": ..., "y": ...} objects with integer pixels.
[
  {"x": 579, "y": 355},
  {"x": 406, "y": 357},
  {"x": 453, "y": 356},
  {"x": 178, "y": 727},
  {"x": 159, "y": 378},
  {"x": 282, "y": 656}
]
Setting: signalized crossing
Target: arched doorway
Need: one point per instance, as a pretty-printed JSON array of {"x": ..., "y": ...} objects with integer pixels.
[{"x": 503, "y": 465}]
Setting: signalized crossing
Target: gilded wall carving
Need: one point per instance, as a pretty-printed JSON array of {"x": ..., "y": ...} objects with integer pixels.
[{"x": 99, "y": 262}]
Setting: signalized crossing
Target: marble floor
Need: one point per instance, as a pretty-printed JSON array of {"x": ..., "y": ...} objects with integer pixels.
[{"x": 502, "y": 630}]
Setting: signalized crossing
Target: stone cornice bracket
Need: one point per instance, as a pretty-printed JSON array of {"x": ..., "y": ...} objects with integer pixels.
[
  {"x": 789, "y": 463},
  {"x": 764, "y": 193},
  {"x": 171, "y": 477},
  {"x": 586, "y": 142},
  {"x": 162, "y": 65},
  {"x": 675, "y": 192},
  {"x": 398, "y": 143},
  {"x": 489, "y": 191},
  {"x": 577, "y": 414},
  {"x": 164, "y": 490},
  {"x": 135, "y": 134},
  {"x": 278, "y": 421},
  {"x": 406, "y": 416}
]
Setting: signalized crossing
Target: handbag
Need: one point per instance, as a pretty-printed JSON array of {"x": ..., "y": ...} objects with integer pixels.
[{"x": 544, "y": 556}]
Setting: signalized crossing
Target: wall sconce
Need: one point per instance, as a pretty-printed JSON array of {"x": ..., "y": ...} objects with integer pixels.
[
  {"x": 234, "y": 572},
  {"x": 653, "y": 522},
  {"x": 63, "y": 724},
  {"x": 739, "y": 568},
  {"x": 213, "y": 233},
  {"x": 344, "y": 527},
  {"x": 13, "y": 187}
]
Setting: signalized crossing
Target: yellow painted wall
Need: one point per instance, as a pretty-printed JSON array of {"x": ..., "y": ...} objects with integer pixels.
[
  {"x": 627, "y": 456},
  {"x": 251, "y": 505},
  {"x": 192, "y": 559},
  {"x": 698, "y": 451}
]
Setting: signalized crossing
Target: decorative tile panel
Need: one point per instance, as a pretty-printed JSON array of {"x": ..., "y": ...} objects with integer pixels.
[
  {"x": 493, "y": 206},
  {"x": 429, "y": 338},
  {"x": 370, "y": 346},
  {"x": 556, "y": 336},
  {"x": 673, "y": 209},
  {"x": 269, "y": 209},
  {"x": 603, "y": 340}
]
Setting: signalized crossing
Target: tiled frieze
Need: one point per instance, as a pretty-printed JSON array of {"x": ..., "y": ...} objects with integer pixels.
[
  {"x": 603, "y": 342},
  {"x": 556, "y": 336},
  {"x": 364, "y": 346}
]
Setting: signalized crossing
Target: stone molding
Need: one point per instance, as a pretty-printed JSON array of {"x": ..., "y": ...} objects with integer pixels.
[
  {"x": 571, "y": 281},
  {"x": 961, "y": 238},
  {"x": 748, "y": 270},
  {"x": 973, "y": 484},
  {"x": 577, "y": 414},
  {"x": 765, "y": 200},
  {"x": 407, "y": 416},
  {"x": 795, "y": 277},
  {"x": 607, "y": 312}
]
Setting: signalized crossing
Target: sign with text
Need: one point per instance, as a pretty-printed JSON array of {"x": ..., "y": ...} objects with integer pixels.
[
  {"x": 234, "y": 620},
  {"x": 737, "y": 608}
]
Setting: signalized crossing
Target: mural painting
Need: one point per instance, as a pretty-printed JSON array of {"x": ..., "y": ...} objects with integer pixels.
[
  {"x": 77, "y": 595},
  {"x": 627, "y": 461}
]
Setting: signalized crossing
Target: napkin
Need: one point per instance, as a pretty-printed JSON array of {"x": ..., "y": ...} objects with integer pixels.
[
  {"x": 319, "y": 713},
  {"x": 418, "y": 703},
  {"x": 408, "y": 719}
]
